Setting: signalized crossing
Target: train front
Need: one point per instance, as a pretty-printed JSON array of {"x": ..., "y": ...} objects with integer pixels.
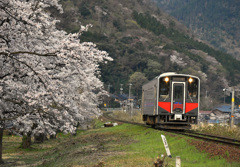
[{"x": 178, "y": 99}]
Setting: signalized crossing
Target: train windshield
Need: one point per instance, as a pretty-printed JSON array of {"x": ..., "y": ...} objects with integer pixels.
[
  {"x": 178, "y": 92},
  {"x": 164, "y": 88},
  {"x": 192, "y": 88}
]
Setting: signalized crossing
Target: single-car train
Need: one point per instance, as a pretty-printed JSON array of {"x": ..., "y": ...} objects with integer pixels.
[{"x": 171, "y": 101}]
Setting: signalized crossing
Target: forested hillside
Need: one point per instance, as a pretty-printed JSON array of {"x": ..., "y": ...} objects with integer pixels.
[
  {"x": 141, "y": 38},
  {"x": 216, "y": 21}
]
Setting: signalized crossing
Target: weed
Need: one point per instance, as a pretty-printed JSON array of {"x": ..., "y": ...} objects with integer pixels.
[
  {"x": 221, "y": 130},
  {"x": 160, "y": 162},
  {"x": 136, "y": 116},
  {"x": 227, "y": 153}
]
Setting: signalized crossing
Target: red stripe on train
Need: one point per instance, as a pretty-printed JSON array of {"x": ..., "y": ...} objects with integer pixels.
[
  {"x": 190, "y": 107},
  {"x": 167, "y": 106},
  {"x": 177, "y": 106}
]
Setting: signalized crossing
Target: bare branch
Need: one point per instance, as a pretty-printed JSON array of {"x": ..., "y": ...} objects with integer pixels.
[
  {"x": 3, "y": 76},
  {"x": 30, "y": 53}
]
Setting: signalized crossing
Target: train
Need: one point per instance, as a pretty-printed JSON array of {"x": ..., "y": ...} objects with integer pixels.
[{"x": 171, "y": 101}]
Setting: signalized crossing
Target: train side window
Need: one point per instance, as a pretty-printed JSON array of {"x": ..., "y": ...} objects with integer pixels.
[
  {"x": 164, "y": 88},
  {"x": 193, "y": 89}
]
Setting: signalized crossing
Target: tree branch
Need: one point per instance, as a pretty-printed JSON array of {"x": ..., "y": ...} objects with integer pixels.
[
  {"x": 30, "y": 53},
  {"x": 3, "y": 76}
]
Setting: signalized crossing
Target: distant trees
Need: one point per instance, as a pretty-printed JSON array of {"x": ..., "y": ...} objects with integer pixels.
[
  {"x": 209, "y": 19},
  {"x": 184, "y": 43},
  {"x": 148, "y": 22},
  {"x": 137, "y": 79},
  {"x": 153, "y": 69},
  {"x": 84, "y": 10},
  {"x": 49, "y": 81},
  {"x": 118, "y": 25}
]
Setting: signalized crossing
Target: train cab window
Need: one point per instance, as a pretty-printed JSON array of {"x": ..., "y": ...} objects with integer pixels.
[
  {"x": 178, "y": 92},
  {"x": 164, "y": 87},
  {"x": 192, "y": 88}
]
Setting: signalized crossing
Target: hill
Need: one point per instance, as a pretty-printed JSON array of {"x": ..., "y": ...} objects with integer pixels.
[
  {"x": 215, "y": 21},
  {"x": 142, "y": 38}
]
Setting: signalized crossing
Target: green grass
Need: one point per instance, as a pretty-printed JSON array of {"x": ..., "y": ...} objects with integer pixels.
[
  {"x": 147, "y": 145},
  {"x": 123, "y": 145}
]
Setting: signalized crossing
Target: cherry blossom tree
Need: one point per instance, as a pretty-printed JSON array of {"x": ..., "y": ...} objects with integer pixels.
[{"x": 49, "y": 80}]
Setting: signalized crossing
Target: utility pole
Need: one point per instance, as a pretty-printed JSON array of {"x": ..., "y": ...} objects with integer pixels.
[
  {"x": 224, "y": 97},
  {"x": 121, "y": 92},
  {"x": 224, "y": 94},
  {"x": 109, "y": 87},
  {"x": 129, "y": 96},
  {"x": 233, "y": 90},
  {"x": 121, "y": 89},
  {"x": 232, "y": 114}
]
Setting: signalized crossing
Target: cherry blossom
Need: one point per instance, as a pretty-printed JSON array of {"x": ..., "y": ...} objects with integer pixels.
[{"x": 49, "y": 80}]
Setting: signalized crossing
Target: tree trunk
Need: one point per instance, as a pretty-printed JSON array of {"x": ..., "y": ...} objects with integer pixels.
[
  {"x": 40, "y": 138},
  {"x": 1, "y": 137},
  {"x": 53, "y": 136},
  {"x": 26, "y": 141}
]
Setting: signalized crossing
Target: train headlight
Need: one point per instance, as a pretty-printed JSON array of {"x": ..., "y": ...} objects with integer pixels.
[
  {"x": 166, "y": 79},
  {"x": 190, "y": 80}
]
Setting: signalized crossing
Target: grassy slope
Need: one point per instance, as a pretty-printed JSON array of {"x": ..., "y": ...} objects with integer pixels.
[{"x": 124, "y": 145}]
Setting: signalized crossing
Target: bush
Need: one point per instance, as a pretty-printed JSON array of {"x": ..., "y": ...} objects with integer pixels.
[{"x": 84, "y": 11}]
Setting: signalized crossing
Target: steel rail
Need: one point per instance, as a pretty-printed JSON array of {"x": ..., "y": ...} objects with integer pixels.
[
  {"x": 214, "y": 136},
  {"x": 207, "y": 137}
]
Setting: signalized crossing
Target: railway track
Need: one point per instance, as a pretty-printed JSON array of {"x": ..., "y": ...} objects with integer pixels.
[
  {"x": 190, "y": 133},
  {"x": 207, "y": 137}
]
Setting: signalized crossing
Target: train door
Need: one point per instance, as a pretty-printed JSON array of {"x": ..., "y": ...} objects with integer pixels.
[{"x": 178, "y": 100}]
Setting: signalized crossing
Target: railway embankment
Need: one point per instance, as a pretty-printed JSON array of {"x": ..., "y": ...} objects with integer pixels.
[{"x": 121, "y": 145}]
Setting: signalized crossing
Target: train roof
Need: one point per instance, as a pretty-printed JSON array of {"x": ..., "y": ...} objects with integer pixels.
[
  {"x": 168, "y": 74},
  {"x": 176, "y": 74}
]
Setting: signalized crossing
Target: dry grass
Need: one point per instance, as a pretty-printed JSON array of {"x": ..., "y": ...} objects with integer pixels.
[
  {"x": 218, "y": 129},
  {"x": 136, "y": 116}
]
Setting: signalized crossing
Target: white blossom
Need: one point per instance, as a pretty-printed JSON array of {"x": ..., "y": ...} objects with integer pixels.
[
  {"x": 42, "y": 70},
  {"x": 175, "y": 58}
]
